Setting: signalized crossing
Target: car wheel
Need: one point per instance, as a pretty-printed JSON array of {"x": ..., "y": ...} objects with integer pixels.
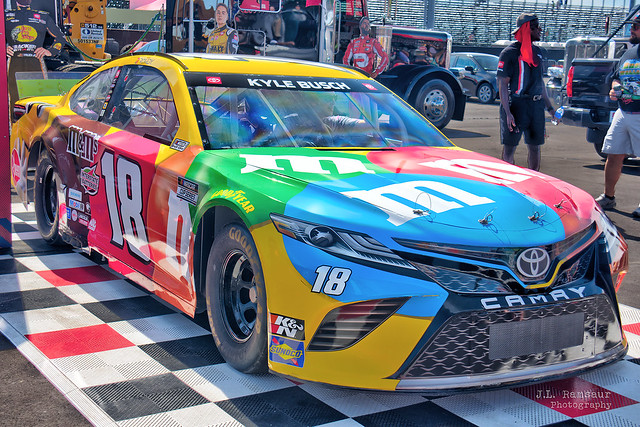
[
  {"x": 46, "y": 200},
  {"x": 435, "y": 101},
  {"x": 485, "y": 93},
  {"x": 236, "y": 300}
]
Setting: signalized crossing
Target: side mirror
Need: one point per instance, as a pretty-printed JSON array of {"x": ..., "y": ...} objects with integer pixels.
[{"x": 470, "y": 69}]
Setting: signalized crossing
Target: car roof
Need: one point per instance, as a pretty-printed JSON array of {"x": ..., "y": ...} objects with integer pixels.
[
  {"x": 245, "y": 64},
  {"x": 473, "y": 54}
]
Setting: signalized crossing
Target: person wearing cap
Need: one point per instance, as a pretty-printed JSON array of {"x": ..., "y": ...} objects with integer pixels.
[
  {"x": 623, "y": 136},
  {"x": 25, "y": 32},
  {"x": 523, "y": 97},
  {"x": 362, "y": 51}
]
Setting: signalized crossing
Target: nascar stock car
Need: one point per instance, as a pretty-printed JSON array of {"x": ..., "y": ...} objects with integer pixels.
[{"x": 331, "y": 233}]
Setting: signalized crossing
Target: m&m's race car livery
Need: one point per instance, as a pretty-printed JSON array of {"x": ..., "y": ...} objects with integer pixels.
[{"x": 331, "y": 233}]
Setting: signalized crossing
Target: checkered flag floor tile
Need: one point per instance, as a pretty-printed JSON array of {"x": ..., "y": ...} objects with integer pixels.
[{"x": 123, "y": 357}]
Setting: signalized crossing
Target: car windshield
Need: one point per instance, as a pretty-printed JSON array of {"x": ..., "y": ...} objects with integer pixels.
[
  {"x": 289, "y": 113},
  {"x": 489, "y": 63}
]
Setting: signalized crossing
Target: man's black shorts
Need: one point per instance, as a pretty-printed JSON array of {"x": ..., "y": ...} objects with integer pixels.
[{"x": 529, "y": 117}]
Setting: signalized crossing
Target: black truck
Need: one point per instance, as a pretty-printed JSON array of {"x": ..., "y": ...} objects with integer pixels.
[
  {"x": 586, "y": 99},
  {"x": 583, "y": 88}
]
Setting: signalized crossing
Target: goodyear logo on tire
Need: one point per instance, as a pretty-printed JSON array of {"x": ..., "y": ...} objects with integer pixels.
[{"x": 289, "y": 352}]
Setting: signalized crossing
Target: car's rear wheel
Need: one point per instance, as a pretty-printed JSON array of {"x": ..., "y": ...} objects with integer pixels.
[
  {"x": 436, "y": 102},
  {"x": 485, "y": 93},
  {"x": 46, "y": 200},
  {"x": 236, "y": 300}
]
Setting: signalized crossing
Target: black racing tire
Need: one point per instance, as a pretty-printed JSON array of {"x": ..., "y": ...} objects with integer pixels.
[
  {"x": 236, "y": 300},
  {"x": 436, "y": 102},
  {"x": 485, "y": 93},
  {"x": 46, "y": 200}
]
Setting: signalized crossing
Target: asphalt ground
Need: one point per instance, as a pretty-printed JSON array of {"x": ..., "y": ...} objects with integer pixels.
[{"x": 28, "y": 399}]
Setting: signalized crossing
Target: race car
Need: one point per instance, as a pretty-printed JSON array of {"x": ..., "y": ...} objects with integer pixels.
[{"x": 331, "y": 233}]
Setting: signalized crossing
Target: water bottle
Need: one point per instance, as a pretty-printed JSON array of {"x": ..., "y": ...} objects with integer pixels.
[{"x": 557, "y": 116}]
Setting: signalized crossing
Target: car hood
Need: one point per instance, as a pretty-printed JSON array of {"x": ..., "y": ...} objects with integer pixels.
[{"x": 449, "y": 194}]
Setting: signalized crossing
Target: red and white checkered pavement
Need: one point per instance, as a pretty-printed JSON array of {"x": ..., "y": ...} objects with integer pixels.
[{"x": 123, "y": 357}]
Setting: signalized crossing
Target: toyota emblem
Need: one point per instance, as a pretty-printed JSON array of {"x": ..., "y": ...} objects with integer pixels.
[{"x": 533, "y": 262}]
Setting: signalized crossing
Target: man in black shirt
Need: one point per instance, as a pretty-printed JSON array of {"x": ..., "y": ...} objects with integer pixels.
[
  {"x": 25, "y": 31},
  {"x": 523, "y": 96}
]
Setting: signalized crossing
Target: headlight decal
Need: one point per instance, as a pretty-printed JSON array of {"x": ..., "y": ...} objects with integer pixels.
[{"x": 344, "y": 326}]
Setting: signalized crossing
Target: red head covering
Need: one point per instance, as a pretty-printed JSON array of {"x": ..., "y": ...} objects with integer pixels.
[{"x": 523, "y": 35}]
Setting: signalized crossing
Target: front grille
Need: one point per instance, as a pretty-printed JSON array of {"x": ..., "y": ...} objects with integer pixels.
[
  {"x": 507, "y": 340},
  {"x": 463, "y": 276},
  {"x": 465, "y": 268}
]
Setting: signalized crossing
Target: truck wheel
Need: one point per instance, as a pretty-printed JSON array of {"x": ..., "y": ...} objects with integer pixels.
[
  {"x": 485, "y": 93},
  {"x": 596, "y": 137},
  {"x": 236, "y": 300},
  {"x": 435, "y": 101},
  {"x": 598, "y": 146},
  {"x": 46, "y": 200}
]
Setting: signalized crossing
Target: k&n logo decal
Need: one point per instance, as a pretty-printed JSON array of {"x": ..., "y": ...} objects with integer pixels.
[{"x": 287, "y": 326}]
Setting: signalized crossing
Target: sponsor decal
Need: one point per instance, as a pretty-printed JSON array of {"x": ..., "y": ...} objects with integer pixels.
[
  {"x": 304, "y": 164},
  {"x": 214, "y": 80},
  {"x": 144, "y": 60},
  {"x": 187, "y": 190},
  {"x": 492, "y": 172},
  {"x": 83, "y": 219},
  {"x": 286, "y": 326},
  {"x": 92, "y": 224},
  {"x": 15, "y": 166},
  {"x": 75, "y": 194},
  {"x": 369, "y": 86},
  {"x": 87, "y": 207},
  {"x": 238, "y": 196},
  {"x": 520, "y": 300},
  {"x": 24, "y": 33},
  {"x": 179, "y": 144},
  {"x": 74, "y": 204},
  {"x": 298, "y": 84},
  {"x": 284, "y": 350},
  {"x": 82, "y": 143},
  {"x": 74, "y": 215},
  {"x": 89, "y": 180},
  {"x": 399, "y": 200}
]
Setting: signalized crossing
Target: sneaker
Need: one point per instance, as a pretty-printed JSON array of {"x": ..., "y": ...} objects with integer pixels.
[
  {"x": 606, "y": 202},
  {"x": 636, "y": 213}
]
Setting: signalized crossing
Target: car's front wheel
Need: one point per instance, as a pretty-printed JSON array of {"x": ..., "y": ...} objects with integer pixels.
[
  {"x": 485, "y": 93},
  {"x": 46, "y": 200},
  {"x": 236, "y": 300}
]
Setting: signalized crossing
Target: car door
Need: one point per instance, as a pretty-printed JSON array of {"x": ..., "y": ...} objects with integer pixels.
[
  {"x": 468, "y": 77},
  {"x": 144, "y": 199},
  {"x": 74, "y": 138}
]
